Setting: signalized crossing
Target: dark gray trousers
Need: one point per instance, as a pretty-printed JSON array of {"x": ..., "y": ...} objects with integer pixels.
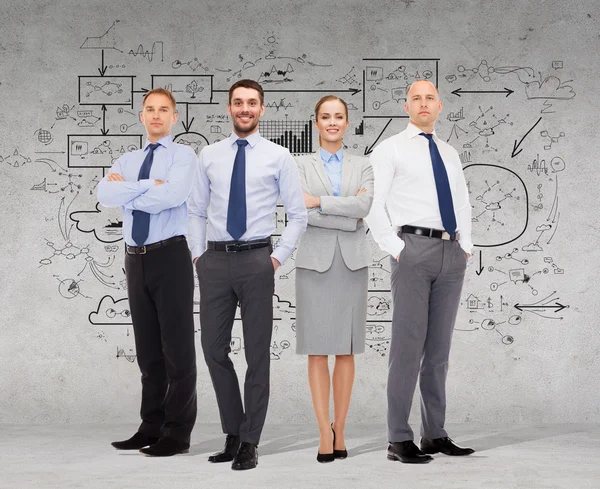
[
  {"x": 160, "y": 285},
  {"x": 225, "y": 279},
  {"x": 426, "y": 287}
]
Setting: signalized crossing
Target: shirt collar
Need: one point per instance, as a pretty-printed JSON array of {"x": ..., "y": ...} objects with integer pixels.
[
  {"x": 326, "y": 155},
  {"x": 413, "y": 131},
  {"x": 253, "y": 139},
  {"x": 165, "y": 141}
]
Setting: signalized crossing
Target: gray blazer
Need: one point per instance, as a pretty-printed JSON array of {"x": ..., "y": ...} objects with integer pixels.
[{"x": 340, "y": 218}]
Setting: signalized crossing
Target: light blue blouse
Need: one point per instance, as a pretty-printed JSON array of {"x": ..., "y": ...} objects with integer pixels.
[{"x": 333, "y": 168}]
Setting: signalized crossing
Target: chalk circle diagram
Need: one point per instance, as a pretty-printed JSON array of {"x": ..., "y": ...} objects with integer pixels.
[
  {"x": 69, "y": 288},
  {"x": 194, "y": 140},
  {"x": 500, "y": 204}
]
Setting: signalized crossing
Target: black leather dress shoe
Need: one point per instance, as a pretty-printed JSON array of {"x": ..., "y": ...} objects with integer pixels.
[
  {"x": 444, "y": 445},
  {"x": 137, "y": 441},
  {"x": 166, "y": 447},
  {"x": 246, "y": 457},
  {"x": 232, "y": 444},
  {"x": 407, "y": 452}
]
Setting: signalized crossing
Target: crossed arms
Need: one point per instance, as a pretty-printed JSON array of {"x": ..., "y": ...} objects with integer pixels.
[{"x": 151, "y": 196}]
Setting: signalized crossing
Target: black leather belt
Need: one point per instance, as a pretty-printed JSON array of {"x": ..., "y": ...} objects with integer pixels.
[
  {"x": 141, "y": 250},
  {"x": 431, "y": 233},
  {"x": 235, "y": 246}
]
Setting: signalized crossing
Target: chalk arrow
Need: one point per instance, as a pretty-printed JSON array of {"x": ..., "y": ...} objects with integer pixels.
[
  {"x": 516, "y": 145},
  {"x": 459, "y": 91},
  {"x": 557, "y": 307}
]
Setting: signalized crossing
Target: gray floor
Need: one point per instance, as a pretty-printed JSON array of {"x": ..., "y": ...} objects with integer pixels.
[{"x": 67, "y": 456}]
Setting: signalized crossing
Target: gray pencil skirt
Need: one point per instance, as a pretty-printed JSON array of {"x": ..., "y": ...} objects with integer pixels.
[{"x": 331, "y": 309}]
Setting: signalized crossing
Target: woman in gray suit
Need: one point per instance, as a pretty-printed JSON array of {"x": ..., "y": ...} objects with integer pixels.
[{"x": 331, "y": 270}]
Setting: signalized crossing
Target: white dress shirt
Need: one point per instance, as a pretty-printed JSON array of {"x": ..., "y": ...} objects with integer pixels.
[
  {"x": 404, "y": 183},
  {"x": 271, "y": 173}
]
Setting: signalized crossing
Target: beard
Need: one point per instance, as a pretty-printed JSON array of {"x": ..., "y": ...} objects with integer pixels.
[{"x": 246, "y": 129}]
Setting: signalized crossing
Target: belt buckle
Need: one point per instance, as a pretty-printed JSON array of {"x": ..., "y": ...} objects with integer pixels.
[
  {"x": 231, "y": 247},
  {"x": 446, "y": 236},
  {"x": 142, "y": 250}
]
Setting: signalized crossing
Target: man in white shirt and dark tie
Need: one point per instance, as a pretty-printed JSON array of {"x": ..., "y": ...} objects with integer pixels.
[
  {"x": 419, "y": 179},
  {"x": 234, "y": 197}
]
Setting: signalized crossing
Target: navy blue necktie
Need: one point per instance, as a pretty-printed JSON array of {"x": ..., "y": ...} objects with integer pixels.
[
  {"x": 442, "y": 186},
  {"x": 141, "y": 219},
  {"x": 236, "y": 211}
]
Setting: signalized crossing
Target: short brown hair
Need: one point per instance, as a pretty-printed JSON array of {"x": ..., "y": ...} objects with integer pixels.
[
  {"x": 246, "y": 83},
  {"x": 161, "y": 91}
]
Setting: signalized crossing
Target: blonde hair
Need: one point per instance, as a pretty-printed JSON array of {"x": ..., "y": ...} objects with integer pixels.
[
  {"x": 329, "y": 98},
  {"x": 161, "y": 91}
]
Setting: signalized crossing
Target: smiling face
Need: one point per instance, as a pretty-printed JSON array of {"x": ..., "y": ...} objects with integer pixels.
[
  {"x": 423, "y": 105},
  {"x": 158, "y": 116},
  {"x": 245, "y": 109},
  {"x": 331, "y": 122}
]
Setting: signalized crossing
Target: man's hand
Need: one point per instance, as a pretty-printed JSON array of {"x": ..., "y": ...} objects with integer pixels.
[
  {"x": 310, "y": 201},
  {"x": 114, "y": 177},
  {"x": 276, "y": 264},
  {"x": 195, "y": 260},
  {"x": 398, "y": 257},
  {"x": 468, "y": 256},
  {"x": 158, "y": 182},
  {"x": 361, "y": 191}
]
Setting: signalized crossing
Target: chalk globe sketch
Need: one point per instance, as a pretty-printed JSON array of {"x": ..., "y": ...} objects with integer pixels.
[
  {"x": 44, "y": 136},
  {"x": 499, "y": 204}
]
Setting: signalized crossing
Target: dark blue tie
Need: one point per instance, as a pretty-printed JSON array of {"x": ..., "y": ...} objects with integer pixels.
[
  {"x": 141, "y": 219},
  {"x": 236, "y": 211},
  {"x": 442, "y": 186}
]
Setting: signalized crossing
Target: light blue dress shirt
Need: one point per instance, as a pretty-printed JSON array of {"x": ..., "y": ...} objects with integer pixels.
[
  {"x": 333, "y": 168},
  {"x": 271, "y": 173},
  {"x": 173, "y": 164}
]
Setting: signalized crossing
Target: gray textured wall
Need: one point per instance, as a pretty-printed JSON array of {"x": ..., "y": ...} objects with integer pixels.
[{"x": 66, "y": 346}]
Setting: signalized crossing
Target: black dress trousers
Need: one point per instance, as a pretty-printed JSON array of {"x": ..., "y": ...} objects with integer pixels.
[{"x": 161, "y": 288}]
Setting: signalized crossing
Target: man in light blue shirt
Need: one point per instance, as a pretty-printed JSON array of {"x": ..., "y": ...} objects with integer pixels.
[
  {"x": 235, "y": 193},
  {"x": 151, "y": 185}
]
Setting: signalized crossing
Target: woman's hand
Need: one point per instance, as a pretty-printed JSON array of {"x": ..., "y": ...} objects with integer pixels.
[{"x": 310, "y": 201}]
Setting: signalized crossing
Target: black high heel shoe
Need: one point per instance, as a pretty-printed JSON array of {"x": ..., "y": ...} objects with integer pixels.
[
  {"x": 327, "y": 457},
  {"x": 338, "y": 453}
]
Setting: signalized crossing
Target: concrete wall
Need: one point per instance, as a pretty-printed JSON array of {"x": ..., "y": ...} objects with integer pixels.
[{"x": 66, "y": 344}]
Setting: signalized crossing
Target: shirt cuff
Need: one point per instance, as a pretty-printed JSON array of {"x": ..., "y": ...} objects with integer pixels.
[
  {"x": 467, "y": 246},
  {"x": 197, "y": 251},
  {"x": 280, "y": 255},
  {"x": 396, "y": 248}
]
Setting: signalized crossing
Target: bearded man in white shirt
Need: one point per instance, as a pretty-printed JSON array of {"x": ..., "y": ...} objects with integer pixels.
[{"x": 419, "y": 179}]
